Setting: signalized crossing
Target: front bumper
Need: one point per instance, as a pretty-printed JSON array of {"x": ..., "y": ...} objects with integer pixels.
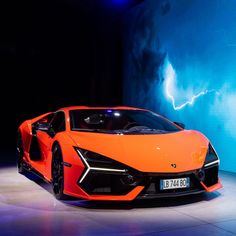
[{"x": 102, "y": 185}]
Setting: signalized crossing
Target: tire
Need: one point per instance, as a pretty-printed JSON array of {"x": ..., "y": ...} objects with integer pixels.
[
  {"x": 20, "y": 155},
  {"x": 58, "y": 174}
]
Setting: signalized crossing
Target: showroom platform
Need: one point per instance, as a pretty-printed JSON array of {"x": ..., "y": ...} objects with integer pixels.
[{"x": 28, "y": 207}]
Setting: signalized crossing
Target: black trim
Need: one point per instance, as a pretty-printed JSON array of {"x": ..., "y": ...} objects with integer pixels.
[
  {"x": 211, "y": 175},
  {"x": 34, "y": 152},
  {"x": 30, "y": 169},
  {"x": 106, "y": 183},
  {"x": 67, "y": 164}
]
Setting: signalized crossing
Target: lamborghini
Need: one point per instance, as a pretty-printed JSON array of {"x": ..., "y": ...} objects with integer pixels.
[{"x": 116, "y": 153}]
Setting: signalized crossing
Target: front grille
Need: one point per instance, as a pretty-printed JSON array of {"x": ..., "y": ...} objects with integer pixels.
[{"x": 107, "y": 183}]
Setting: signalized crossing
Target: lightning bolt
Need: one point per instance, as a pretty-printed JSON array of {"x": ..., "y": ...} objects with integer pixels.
[{"x": 170, "y": 76}]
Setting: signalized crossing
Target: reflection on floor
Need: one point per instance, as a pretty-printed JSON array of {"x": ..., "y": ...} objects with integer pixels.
[{"x": 28, "y": 207}]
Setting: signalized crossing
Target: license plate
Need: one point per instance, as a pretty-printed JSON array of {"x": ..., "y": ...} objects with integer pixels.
[{"x": 174, "y": 183}]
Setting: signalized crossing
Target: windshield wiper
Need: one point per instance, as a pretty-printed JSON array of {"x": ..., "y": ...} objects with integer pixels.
[
  {"x": 122, "y": 131},
  {"x": 91, "y": 130},
  {"x": 143, "y": 131}
]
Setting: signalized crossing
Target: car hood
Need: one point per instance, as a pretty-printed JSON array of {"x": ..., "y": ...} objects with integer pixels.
[{"x": 172, "y": 152}]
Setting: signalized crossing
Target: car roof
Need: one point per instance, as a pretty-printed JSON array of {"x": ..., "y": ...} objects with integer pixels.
[{"x": 99, "y": 108}]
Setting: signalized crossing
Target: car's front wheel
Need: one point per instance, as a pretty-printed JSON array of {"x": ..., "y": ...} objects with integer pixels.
[{"x": 58, "y": 173}]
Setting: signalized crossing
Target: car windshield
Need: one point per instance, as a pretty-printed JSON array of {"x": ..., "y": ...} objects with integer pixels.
[{"x": 120, "y": 122}]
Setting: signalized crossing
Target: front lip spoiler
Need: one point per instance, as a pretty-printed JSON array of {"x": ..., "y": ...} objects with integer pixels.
[
  {"x": 213, "y": 187},
  {"x": 128, "y": 197},
  {"x": 168, "y": 195}
]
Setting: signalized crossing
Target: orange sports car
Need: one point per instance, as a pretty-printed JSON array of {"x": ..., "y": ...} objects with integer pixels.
[{"x": 116, "y": 153}]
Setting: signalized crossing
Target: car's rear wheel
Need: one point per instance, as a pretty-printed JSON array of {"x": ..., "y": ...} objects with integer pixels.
[
  {"x": 58, "y": 173},
  {"x": 20, "y": 154}
]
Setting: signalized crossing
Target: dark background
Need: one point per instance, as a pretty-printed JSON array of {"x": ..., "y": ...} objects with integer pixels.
[{"x": 56, "y": 54}]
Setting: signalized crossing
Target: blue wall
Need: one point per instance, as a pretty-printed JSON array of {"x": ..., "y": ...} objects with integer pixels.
[{"x": 180, "y": 60}]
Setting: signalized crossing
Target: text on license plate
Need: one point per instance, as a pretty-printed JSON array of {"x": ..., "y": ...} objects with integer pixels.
[{"x": 174, "y": 183}]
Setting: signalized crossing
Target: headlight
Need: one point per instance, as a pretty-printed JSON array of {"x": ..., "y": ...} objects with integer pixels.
[
  {"x": 98, "y": 162},
  {"x": 211, "y": 157}
]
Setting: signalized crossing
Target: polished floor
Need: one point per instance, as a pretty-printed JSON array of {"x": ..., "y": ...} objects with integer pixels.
[{"x": 27, "y": 207}]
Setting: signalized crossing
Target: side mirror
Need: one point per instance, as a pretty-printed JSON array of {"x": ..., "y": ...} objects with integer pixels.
[
  {"x": 43, "y": 126},
  {"x": 180, "y": 124}
]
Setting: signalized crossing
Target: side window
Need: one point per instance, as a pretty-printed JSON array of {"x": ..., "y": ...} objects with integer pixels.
[
  {"x": 42, "y": 123},
  {"x": 58, "y": 122},
  {"x": 47, "y": 118}
]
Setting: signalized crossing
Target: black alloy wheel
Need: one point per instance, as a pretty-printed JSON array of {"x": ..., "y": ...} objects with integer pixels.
[{"x": 58, "y": 174}]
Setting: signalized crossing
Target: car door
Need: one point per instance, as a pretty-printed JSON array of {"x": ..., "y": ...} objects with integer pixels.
[
  {"x": 43, "y": 135},
  {"x": 46, "y": 139},
  {"x": 39, "y": 140}
]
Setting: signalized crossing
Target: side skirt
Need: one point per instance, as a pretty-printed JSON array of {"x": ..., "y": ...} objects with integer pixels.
[{"x": 30, "y": 169}]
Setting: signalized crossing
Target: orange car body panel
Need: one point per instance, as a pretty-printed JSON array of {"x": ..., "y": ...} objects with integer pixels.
[
  {"x": 149, "y": 153},
  {"x": 152, "y": 153}
]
